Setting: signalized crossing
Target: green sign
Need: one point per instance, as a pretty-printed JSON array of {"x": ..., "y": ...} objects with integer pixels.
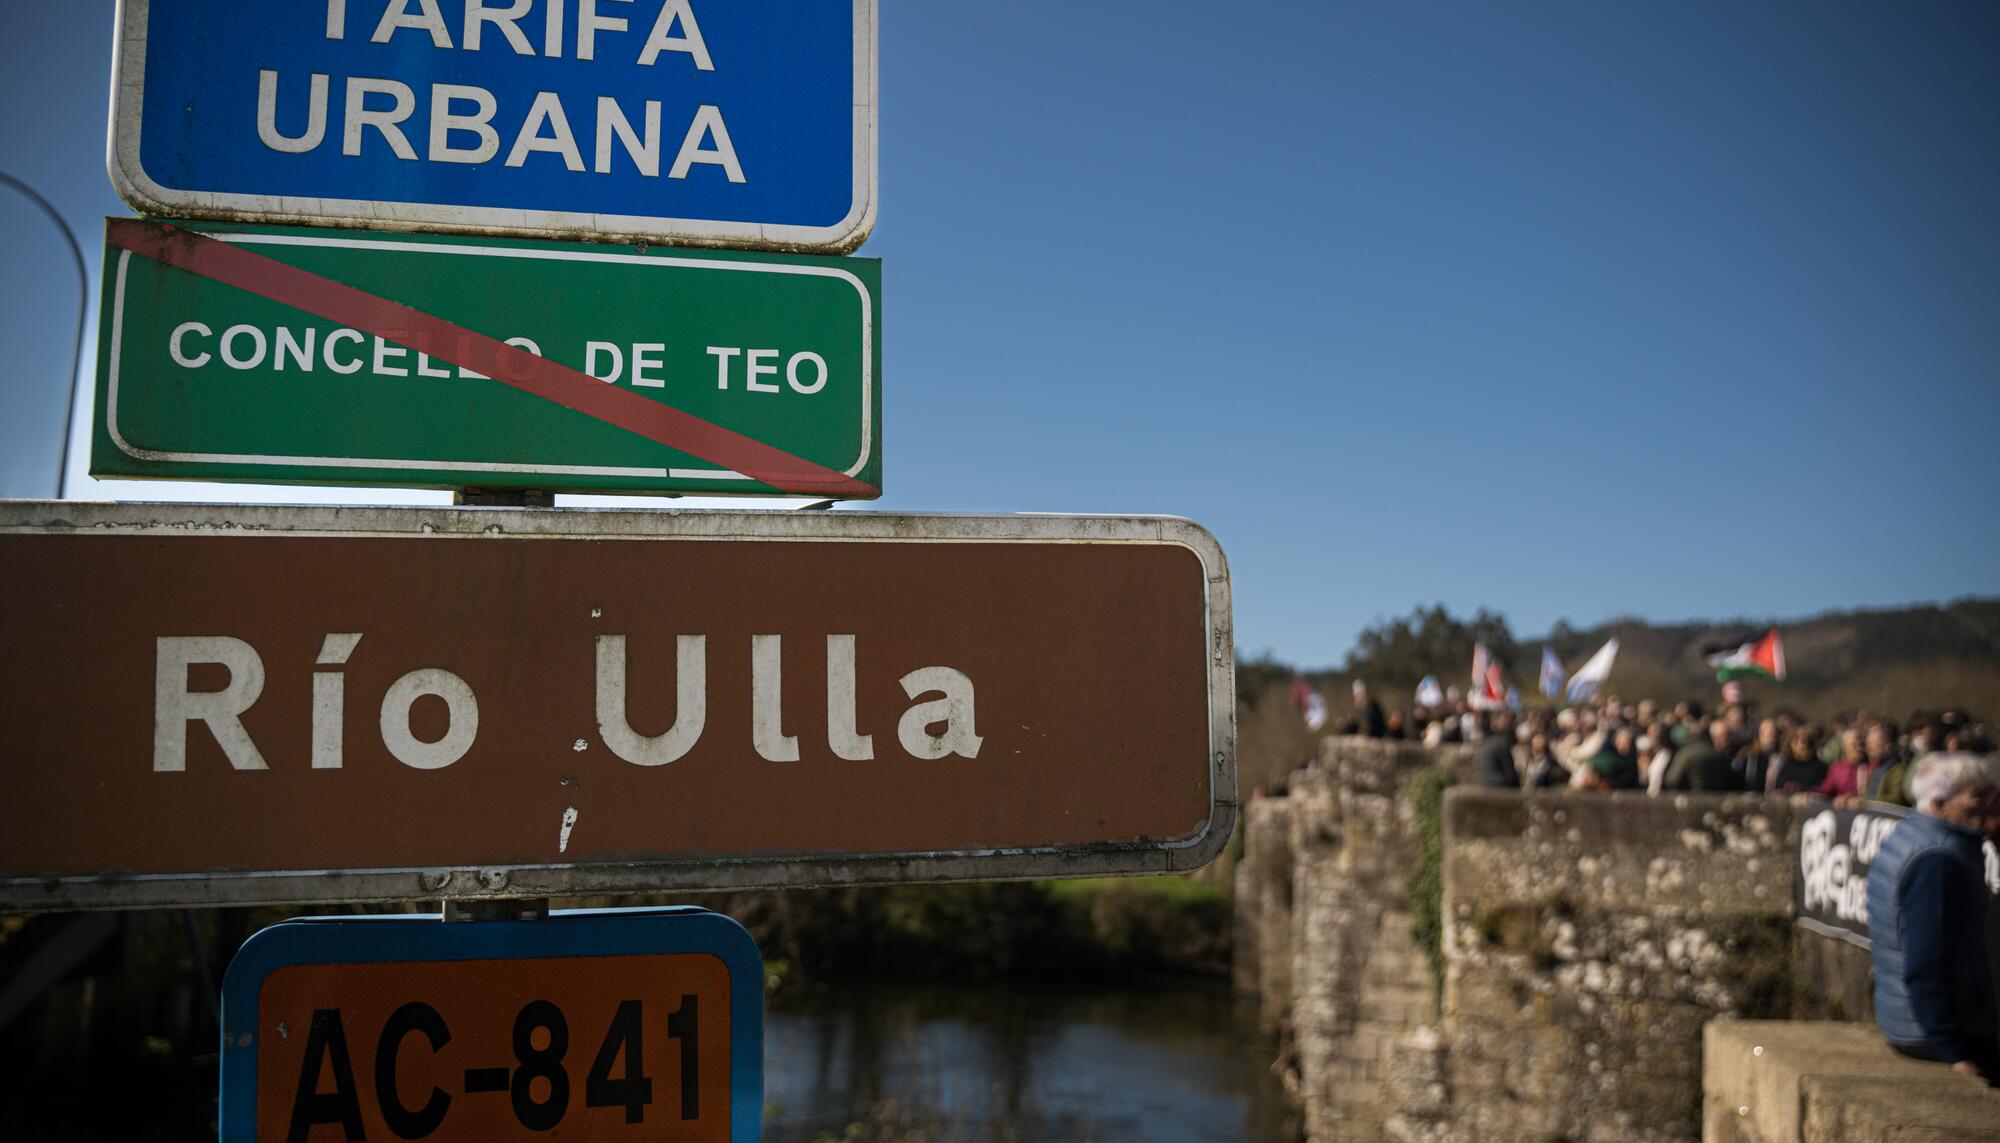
[{"x": 288, "y": 355}]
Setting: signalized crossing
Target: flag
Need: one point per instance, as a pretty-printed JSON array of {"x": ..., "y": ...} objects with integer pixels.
[
  {"x": 1514, "y": 699},
  {"x": 1310, "y": 704},
  {"x": 1315, "y": 711},
  {"x": 1583, "y": 685},
  {"x": 1552, "y": 673},
  {"x": 1752, "y": 656},
  {"x": 1429, "y": 693},
  {"x": 1493, "y": 695},
  {"x": 1489, "y": 689}
]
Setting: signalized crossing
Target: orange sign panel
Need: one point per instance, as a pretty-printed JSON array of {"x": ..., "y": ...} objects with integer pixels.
[
  {"x": 603, "y": 1025},
  {"x": 620, "y": 1047}
]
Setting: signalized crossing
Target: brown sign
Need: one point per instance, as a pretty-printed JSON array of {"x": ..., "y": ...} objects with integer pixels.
[{"x": 212, "y": 705}]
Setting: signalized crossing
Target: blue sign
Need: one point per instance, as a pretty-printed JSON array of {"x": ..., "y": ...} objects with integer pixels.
[
  {"x": 709, "y": 122},
  {"x": 604, "y": 1024}
]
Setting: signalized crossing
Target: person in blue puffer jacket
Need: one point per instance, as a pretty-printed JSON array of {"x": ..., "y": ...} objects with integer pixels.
[{"x": 1927, "y": 903}]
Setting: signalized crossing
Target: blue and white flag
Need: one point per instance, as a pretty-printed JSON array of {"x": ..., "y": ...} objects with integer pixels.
[
  {"x": 1583, "y": 685},
  {"x": 1552, "y": 673},
  {"x": 1429, "y": 693}
]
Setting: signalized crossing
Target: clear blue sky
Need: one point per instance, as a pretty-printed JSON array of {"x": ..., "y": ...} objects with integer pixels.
[{"x": 1563, "y": 308}]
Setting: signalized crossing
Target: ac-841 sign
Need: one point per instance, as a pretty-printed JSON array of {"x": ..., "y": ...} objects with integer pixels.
[
  {"x": 715, "y": 122},
  {"x": 601, "y": 1024}
]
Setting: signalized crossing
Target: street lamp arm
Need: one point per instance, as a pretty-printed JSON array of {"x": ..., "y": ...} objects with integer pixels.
[{"x": 82, "y": 311}]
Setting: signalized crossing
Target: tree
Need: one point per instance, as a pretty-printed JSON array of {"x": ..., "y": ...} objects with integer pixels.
[
  {"x": 1563, "y": 638},
  {"x": 1429, "y": 641},
  {"x": 1256, "y": 673}
]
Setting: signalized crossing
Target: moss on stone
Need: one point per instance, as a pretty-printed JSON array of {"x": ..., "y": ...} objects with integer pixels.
[
  {"x": 1757, "y": 969},
  {"x": 1426, "y": 793}
]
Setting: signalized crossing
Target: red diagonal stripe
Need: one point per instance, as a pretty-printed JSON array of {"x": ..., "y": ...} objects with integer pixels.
[{"x": 550, "y": 380}]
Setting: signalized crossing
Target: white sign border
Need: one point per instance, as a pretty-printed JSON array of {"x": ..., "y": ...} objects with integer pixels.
[
  {"x": 517, "y": 525},
  {"x": 128, "y": 176},
  {"x": 114, "y": 362}
]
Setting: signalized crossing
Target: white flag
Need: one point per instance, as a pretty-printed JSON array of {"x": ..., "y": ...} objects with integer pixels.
[{"x": 1583, "y": 685}]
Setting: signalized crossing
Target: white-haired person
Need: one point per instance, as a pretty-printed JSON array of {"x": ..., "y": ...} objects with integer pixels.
[{"x": 1927, "y": 903}]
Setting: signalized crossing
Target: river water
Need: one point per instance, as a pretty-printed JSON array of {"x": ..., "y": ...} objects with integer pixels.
[{"x": 1154, "y": 1061}]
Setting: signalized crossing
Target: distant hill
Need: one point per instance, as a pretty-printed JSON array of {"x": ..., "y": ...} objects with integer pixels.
[{"x": 1890, "y": 661}]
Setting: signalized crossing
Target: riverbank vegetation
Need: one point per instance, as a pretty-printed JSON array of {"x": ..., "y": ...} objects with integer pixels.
[{"x": 1080, "y": 929}]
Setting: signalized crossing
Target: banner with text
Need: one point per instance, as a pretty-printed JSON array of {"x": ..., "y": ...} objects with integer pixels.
[{"x": 1836, "y": 847}]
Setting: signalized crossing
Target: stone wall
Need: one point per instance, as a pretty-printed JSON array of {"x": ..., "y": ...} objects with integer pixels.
[
  {"x": 1834, "y": 979},
  {"x": 1826, "y": 1082},
  {"x": 1261, "y": 963},
  {"x": 1587, "y": 939},
  {"x": 1327, "y": 913}
]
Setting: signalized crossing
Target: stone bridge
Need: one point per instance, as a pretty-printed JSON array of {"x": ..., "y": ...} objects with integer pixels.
[{"x": 1486, "y": 965}]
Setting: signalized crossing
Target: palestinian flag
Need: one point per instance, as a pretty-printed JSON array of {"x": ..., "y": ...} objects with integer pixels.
[{"x": 1755, "y": 656}]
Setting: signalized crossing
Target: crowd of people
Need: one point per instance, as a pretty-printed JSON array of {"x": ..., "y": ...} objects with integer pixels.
[
  {"x": 1616, "y": 745},
  {"x": 1928, "y": 892}
]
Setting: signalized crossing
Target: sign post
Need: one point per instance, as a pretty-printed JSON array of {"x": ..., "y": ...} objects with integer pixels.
[
  {"x": 606, "y": 1024},
  {"x": 286, "y": 355},
  {"x": 323, "y": 704},
  {"x": 248, "y": 705}
]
